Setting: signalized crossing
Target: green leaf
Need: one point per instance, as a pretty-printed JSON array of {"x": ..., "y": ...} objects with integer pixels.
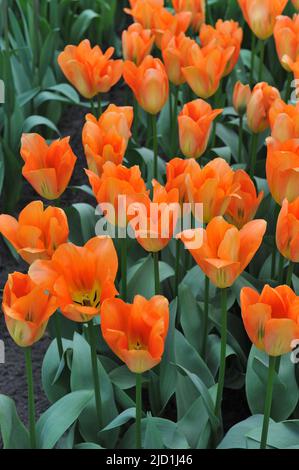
[
  {"x": 66, "y": 90},
  {"x": 236, "y": 438},
  {"x": 88, "y": 445},
  {"x": 47, "y": 53},
  {"x": 152, "y": 438},
  {"x": 55, "y": 389},
  {"x": 122, "y": 377},
  {"x": 121, "y": 419},
  {"x": 82, "y": 222},
  {"x": 190, "y": 317},
  {"x": 168, "y": 373},
  {"x": 280, "y": 435},
  {"x": 81, "y": 25},
  {"x": 34, "y": 121},
  {"x": 14, "y": 434}
]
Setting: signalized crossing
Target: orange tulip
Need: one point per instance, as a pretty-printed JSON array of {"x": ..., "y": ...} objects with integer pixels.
[
  {"x": 226, "y": 34},
  {"x": 262, "y": 98},
  {"x": 242, "y": 209},
  {"x": 143, "y": 11},
  {"x": 27, "y": 309},
  {"x": 149, "y": 83},
  {"x": 80, "y": 277},
  {"x": 37, "y": 233},
  {"x": 155, "y": 226},
  {"x": 208, "y": 64},
  {"x": 164, "y": 21},
  {"x": 195, "y": 124},
  {"x": 107, "y": 139},
  {"x": 117, "y": 180},
  {"x": 175, "y": 52},
  {"x": 271, "y": 318},
  {"x": 225, "y": 251},
  {"x": 286, "y": 35},
  {"x": 241, "y": 97},
  {"x": 137, "y": 43},
  {"x": 287, "y": 230},
  {"x": 89, "y": 70},
  {"x": 197, "y": 9},
  {"x": 213, "y": 186},
  {"x": 284, "y": 120},
  {"x": 47, "y": 168},
  {"x": 177, "y": 170},
  {"x": 261, "y": 14},
  {"x": 282, "y": 169},
  {"x": 136, "y": 332}
]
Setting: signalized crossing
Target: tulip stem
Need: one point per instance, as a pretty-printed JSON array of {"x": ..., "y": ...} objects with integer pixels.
[
  {"x": 261, "y": 65},
  {"x": 31, "y": 404},
  {"x": 274, "y": 250},
  {"x": 157, "y": 274},
  {"x": 138, "y": 409},
  {"x": 268, "y": 401},
  {"x": 241, "y": 140},
  {"x": 174, "y": 129},
  {"x": 93, "y": 109},
  {"x": 221, "y": 376},
  {"x": 177, "y": 267},
  {"x": 155, "y": 145},
  {"x": 253, "y": 152},
  {"x": 58, "y": 334},
  {"x": 205, "y": 317},
  {"x": 95, "y": 372},
  {"x": 290, "y": 273},
  {"x": 253, "y": 45},
  {"x": 99, "y": 105},
  {"x": 124, "y": 268},
  {"x": 288, "y": 87}
]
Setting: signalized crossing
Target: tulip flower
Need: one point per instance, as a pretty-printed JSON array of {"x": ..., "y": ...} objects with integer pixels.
[
  {"x": 117, "y": 180},
  {"x": 27, "y": 308},
  {"x": 242, "y": 209},
  {"x": 80, "y": 277},
  {"x": 197, "y": 9},
  {"x": 282, "y": 169},
  {"x": 262, "y": 98},
  {"x": 137, "y": 43},
  {"x": 241, "y": 97},
  {"x": 154, "y": 227},
  {"x": 89, "y": 70},
  {"x": 149, "y": 83},
  {"x": 208, "y": 65},
  {"x": 48, "y": 168},
  {"x": 164, "y": 21},
  {"x": 213, "y": 187},
  {"x": 271, "y": 318},
  {"x": 106, "y": 139},
  {"x": 143, "y": 11},
  {"x": 287, "y": 230},
  {"x": 284, "y": 121},
  {"x": 195, "y": 124},
  {"x": 286, "y": 35},
  {"x": 37, "y": 233},
  {"x": 225, "y": 251},
  {"x": 226, "y": 34},
  {"x": 136, "y": 332},
  {"x": 175, "y": 53},
  {"x": 177, "y": 170},
  {"x": 261, "y": 15}
]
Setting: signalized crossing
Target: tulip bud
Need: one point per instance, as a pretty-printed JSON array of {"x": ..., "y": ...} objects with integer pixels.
[
  {"x": 261, "y": 15},
  {"x": 286, "y": 32},
  {"x": 262, "y": 98},
  {"x": 241, "y": 97},
  {"x": 287, "y": 230},
  {"x": 137, "y": 43}
]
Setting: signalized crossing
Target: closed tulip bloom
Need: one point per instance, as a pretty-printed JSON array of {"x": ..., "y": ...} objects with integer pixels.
[
  {"x": 286, "y": 35},
  {"x": 282, "y": 169},
  {"x": 225, "y": 251},
  {"x": 195, "y": 124},
  {"x": 143, "y": 11},
  {"x": 242, "y": 209},
  {"x": 117, "y": 180},
  {"x": 164, "y": 21},
  {"x": 37, "y": 233},
  {"x": 155, "y": 226},
  {"x": 262, "y": 98},
  {"x": 106, "y": 139},
  {"x": 241, "y": 97},
  {"x": 89, "y": 70},
  {"x": 149, "y": 83},
  {"x": 284, "y": 121},
  {"x": 271, "y": 319},
  {"x": 137, "y": 43},
  {"x": 136, "y": 332},
  {"x": 175, "y": 53},
  {"x": 287, "y": 230},
  {"x": 177, "y": 170},
  {"x": 213, "y": 186},
  {"x": 261, "y": 15},
  {"x": 80, "y": 277},
  {"x": 27, "y": 308},
  {"x": 48, "y": 168},
  {"x": 197, "y": 9},
  {"x": 226, "y": 34},
  {"x": 208, "y": 64}
]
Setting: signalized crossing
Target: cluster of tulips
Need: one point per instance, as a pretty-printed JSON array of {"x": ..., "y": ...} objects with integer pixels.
[{"x": 79, "y": 282}]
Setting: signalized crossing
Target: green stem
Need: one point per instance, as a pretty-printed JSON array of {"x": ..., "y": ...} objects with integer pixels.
[
  {"x": 58, "y": 334},
  {"x": 288, "y": 87},
  {"x": 31, "y": 404},
  {"x": 95, "y": 372},
  {"x": 261, "y": 65},
  {"x": 156, "y": 273},
  {"x": 280, "y": 269},
  {"x": 253, "y": 154},
  {"x": 174, "y": 125},
  {"x": 253, "y": 46},
  {"x": 274, "y": 249},
  {"x": 268, "y": 401},
  {"x": 290, "y": 273},
  {"x": 170, "y": 106},
  {"x": 155, "y": 145},
  {"x": 93, "y": 108},
  {"x": 138, "y": 409},
  {"x": 240, "y": 153},
  {"x": 206, "y": 317},
  {"x": 222, "y": 353},
  {"x": 99, "y": 105},
  {"x": 177, "y": 266},
  {"x": 136, "y": 117},
  {"x": 124, "y": 254}
]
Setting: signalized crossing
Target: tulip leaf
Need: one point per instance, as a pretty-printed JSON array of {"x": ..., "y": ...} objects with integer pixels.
[
  {"x": 34, "y": 121},
  {"x": 13, "y": 432},
  {"x": 152, "y": 438},
  {"x": 121, "y": 419},
  {"x": 190, "y": 317},
  {"x": 81, "y": 24},
  {"x": 82, "y": 222},
  {"x": 123, "y": 377},
  {"x": 236, "y": 438},
  {"x": 280, "y": 435},
  {"x": 87, "y": 445}
]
